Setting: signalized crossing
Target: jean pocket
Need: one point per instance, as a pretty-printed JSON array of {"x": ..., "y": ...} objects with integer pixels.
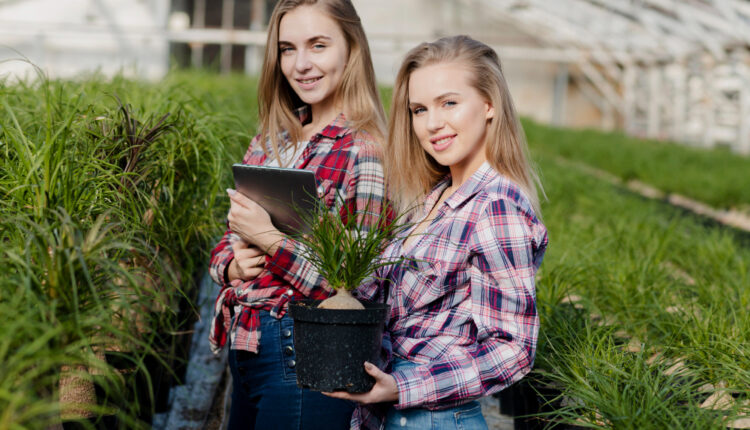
[{"x": 470, "y": 418}]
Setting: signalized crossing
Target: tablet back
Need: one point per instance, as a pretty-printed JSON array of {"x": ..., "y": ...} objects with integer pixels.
[{"x": 286, "y": 194}]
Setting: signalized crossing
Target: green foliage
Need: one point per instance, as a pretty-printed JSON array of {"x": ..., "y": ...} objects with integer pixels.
[
  {"x": 640, "y": 306},
  {"x": 716, "y": 177},
  {"x": 346, "y": 247},
  {"x": 95, "y": 253},
  {"x": 109, "y": 204}
]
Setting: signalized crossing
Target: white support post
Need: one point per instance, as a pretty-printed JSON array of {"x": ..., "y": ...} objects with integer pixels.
[
  {"x": 654, "y": 101},
  {"x": 560, "y": 95},
  {"x": 679, "y": 117},
  {"x": 199, "y": 21},
  {"x": 254, "y": 53},
  {"x": 742, "y": 57},
  {"x": 630, "y": 77},
  {"x": 707, "y": 77},
  {"x": 227, "y": 23}
]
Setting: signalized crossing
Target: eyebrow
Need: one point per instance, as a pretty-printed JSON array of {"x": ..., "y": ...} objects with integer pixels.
[
  {"x": 445, "y": 95},
  {"x": 440, "y": 97},
  {"x": 310, "y": 40}
]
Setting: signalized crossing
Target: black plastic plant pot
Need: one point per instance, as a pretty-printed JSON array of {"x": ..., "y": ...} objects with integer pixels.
[{"x": 332, "y": 345}]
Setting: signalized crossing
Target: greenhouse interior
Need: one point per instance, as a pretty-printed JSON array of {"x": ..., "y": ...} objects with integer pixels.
[{"x": 120, "y": 121}]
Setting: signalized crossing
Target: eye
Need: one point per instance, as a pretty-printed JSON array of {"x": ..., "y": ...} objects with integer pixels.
[
  {"x": 319, "y": 46},
  {"x": 284, "y": 50},
  {"x": 418, "y": 110},
  {"x": 449, "y": 103}
]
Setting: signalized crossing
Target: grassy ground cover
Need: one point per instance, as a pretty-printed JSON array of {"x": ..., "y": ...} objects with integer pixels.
[
  {"x": 107, "y": 211},
  {"x": 644, "y": 310},
  {"x": 715, "y": 177},
  {"x": 111, "y": 198}
]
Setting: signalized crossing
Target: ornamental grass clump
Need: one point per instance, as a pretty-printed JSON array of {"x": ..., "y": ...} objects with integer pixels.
[
  {"x": 107, "y": 210},
  {"x": 346, "y": 247}
]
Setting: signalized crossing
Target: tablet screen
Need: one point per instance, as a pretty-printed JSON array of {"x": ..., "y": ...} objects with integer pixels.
[{"x": 288, "y": 195}]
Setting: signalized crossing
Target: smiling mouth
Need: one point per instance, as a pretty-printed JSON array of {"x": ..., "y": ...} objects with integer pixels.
[
  {"x": 308, "y": 81},
  {"x": 442, "y": 140}
]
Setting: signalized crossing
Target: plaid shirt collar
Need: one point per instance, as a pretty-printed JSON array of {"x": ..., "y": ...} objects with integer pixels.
[
  {"x": 336, "y": 129},
  {"x": 476, "y": 182}
]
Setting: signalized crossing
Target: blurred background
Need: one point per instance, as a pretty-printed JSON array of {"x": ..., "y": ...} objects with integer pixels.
[
  {"x": 119, "y": 120},
  {"x": 663, "y": 69}
]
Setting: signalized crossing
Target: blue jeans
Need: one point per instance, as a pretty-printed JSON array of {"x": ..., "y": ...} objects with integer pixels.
[
  {"x": 465, "y": 417},
  {"x": 265, "y": 393}
]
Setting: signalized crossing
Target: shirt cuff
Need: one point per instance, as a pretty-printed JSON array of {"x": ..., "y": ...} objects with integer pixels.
[
  {"x": 225, "y": 271},
  {"x": 412, "y": 384}
]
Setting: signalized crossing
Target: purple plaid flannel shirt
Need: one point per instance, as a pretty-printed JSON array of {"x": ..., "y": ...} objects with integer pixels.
[{"x": 463, "y": 304}]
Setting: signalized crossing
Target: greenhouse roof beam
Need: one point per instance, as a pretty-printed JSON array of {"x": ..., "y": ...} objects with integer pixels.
[
  {"x": 705, "y": 25},
  {"x": 731, "y": 11},
  {"x": 534, "y": 17},
  {"x": 672, "y": 40}
]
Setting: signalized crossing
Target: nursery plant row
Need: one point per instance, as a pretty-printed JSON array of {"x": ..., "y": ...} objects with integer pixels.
[
  {"x": 645, "y": 311},
  {"x": 110, "y": 200},
  {"x": 715, "y": 177},
  {"x": 112, "y": 195}
]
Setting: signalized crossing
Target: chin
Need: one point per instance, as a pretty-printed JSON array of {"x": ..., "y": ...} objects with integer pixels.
[{"x": 310, "y": 99}]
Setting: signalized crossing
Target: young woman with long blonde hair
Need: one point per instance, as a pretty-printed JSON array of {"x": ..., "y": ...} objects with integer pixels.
[
  {"x": 319, "y": 110},
  {"x": 463, "y": 320}
]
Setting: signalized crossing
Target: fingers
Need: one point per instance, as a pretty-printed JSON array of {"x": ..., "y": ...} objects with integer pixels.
[
  {"x": 239, "y": 245},
  {"x": 241, "y": 199},
  {"x": 250, "y": 268},
  {"x": 373, "y": 371},
  {"x": 236, "y": 197},
  {"x": 243, "y": 250},
  {"x": 343, "y": 395}
]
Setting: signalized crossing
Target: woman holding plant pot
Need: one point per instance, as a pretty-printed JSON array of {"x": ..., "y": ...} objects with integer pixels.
[
  {"x": 319, "y": 110},
  {"x": 463, "y": 320}
]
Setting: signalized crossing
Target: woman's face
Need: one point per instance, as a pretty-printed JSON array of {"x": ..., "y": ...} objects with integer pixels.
[
  {"x": 449, "y": 116},
  {"x": 313, "y": 54}
]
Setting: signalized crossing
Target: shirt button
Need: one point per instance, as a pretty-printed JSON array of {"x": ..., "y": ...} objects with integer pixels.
[
  {"x": 290, "y": 292},
  {"x": 288, "y": 351},
  {"x": 291, "y": 363},
  {"x": 286, "y": 332},
  {"x": 403, "y": 422}
]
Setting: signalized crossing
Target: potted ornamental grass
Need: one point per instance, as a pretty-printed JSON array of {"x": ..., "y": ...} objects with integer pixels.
[{"x": 334, "y": 337}]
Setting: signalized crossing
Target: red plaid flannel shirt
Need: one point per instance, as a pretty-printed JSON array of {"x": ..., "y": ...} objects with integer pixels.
[
  {"x": 349, "y": 174},
  {"x": 463, "y": 303}
]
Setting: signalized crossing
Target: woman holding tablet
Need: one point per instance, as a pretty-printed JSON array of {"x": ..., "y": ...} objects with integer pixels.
[
  {"x": 463, "y": 320},
  {"x": 319, "y": 110}
]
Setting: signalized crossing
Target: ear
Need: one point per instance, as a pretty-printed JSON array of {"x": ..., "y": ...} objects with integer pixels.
[{"x": 490, "y": 111}]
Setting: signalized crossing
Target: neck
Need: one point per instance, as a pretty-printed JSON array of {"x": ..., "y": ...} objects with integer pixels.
[
  {"x": 323, "y": 113},
  {"x": 460, "y": 173}
]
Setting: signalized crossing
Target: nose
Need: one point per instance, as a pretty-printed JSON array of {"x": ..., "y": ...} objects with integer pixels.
[
  {"x": 434, "y": 120},
  {"x": 302, "y": 62}
]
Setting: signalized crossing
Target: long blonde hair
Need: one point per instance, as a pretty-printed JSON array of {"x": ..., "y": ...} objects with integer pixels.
[
  {"x": 411, "y": 172},
  {"x": 357, "y": 91}
]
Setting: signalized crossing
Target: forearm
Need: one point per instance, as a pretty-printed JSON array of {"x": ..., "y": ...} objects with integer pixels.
[{"x": 455, "y": 380}]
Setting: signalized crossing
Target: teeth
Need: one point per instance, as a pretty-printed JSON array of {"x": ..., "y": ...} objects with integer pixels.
[
  {"x": 443, "y": 140},
  {"x": 308, "y": 81}
]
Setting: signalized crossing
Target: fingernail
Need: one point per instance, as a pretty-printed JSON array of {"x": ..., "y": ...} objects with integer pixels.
[
  {"x": 231, "y": 192},
  {"x": 368, "y": 365}
]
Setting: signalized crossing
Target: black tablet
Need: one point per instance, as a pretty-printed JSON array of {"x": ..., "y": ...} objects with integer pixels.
[{"x": 287, "y": 194}]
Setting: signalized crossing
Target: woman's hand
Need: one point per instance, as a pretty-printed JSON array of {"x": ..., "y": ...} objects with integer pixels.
[
  {"x": 252, "y": 223},
  {"x": 248, "y": 262},
  {"x": 384, "y": 390}
]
